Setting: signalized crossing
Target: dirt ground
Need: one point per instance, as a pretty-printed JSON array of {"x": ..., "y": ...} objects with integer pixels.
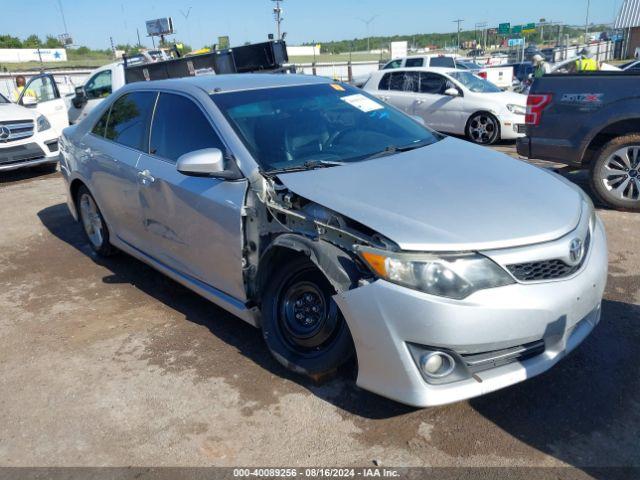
[{"x": 108, "y": 363}]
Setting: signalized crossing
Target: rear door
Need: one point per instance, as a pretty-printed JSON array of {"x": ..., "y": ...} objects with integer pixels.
[
  {"x": 49, "y": 101},
  {"x": 193, "y": 224},
  {"x": 398, "y": 88},
  {"x": 114, "y": 146}
]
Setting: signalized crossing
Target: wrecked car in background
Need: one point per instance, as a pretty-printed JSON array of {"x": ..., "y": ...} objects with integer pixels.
[{"x": 341, "y": 226}]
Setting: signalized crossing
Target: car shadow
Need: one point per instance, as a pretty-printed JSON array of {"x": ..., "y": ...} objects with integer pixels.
[
  {"x": 25, "y": 174},
  {"x": 584, "y": 411},
  {"x": 339, "y": 389}
]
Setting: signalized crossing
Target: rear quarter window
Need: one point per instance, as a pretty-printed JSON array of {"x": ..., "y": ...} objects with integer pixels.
[{"x": 446, "y": 62}]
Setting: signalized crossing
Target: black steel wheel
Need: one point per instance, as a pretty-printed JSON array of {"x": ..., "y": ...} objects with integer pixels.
[{"x": 301, "y": 323}]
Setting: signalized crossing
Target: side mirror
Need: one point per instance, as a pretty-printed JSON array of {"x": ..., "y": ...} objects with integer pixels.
[
  {"x": 29, "y": 101},
  {"x": 80, "y": 98},
  {"x": 208, "y": 162},
  {"x": 452, "y": 92}
]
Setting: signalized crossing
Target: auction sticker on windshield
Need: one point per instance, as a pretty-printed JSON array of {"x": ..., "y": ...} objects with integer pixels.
[{"x": 361, "y": 102}]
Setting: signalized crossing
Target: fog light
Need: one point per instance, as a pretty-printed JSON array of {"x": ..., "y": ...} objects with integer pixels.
[{"x": 437, "y": 364}]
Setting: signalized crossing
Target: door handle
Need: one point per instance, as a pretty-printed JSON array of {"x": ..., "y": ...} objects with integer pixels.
[
  {"x": 145, "y": 177},
  {"x": 419, "y": 102}
]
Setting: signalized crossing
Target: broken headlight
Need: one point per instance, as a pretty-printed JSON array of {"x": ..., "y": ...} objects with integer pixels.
[{"x": 445, "y": 275}]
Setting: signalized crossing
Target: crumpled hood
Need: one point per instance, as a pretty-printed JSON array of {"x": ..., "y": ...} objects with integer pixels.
[
  {"x": 449, "y": 196},
  {"x": 11, "y": 111}
]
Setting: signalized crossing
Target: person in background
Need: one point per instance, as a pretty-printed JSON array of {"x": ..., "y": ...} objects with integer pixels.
[
  {"x": 20, "y": 84},
  {"x": 585, "y": 62},
  {"x": 542, "y": 67}
]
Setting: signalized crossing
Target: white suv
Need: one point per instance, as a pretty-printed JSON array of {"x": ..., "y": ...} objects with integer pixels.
[{"x": 29, "y": 130}]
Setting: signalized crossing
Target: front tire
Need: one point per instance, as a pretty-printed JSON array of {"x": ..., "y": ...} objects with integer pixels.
[
  {"x": 94, "y": 226},
  {"x": 615, "y": 173},
  {"x": 301, "y": 323},
  {"x": 483, "y": 128}
]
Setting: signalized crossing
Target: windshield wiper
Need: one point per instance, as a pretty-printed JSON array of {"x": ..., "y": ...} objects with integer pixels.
[
  {"x": 308, "y": 165},
  {"x": 393, "y": 149}
]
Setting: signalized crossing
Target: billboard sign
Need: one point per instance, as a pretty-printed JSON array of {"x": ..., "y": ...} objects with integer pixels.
[
  {"x": 516, "y": 42},
  {"x": 16, "y": 55},
  {"x": 399, "y": 49},
  {"x": 159, "y": 26},
  {"x": 504, "y": 29}
]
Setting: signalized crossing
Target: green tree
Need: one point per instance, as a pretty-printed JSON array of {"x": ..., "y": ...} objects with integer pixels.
[
  {"x": 83, "y": 51},
  {"x": 52, "y": 42},
  {"x": 7, "y": 41},
  {"x": 32, "y": 41}
]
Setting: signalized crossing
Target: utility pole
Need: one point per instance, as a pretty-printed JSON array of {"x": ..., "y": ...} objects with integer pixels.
[
  {"x": 368, "y": 24},
  {"x": 586, "y": 24},
  {"x": 64, "y": 21},
  {"x": 277, "y": 13},
  {"x": 458, "y": 21}
]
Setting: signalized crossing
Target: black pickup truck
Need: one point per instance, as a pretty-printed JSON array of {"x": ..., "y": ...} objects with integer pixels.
[{"x": 589, "y": 120}]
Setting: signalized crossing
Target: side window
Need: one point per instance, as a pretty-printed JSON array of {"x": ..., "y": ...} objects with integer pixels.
[
  {"x": 101, "y": 125},
  {"x": 129, "y": 120},
  {"x": 411, "y": 81},
  {"x": 180, "y": 127},
  {"x": 397, "y": 81},
  {"x": 414, "y": 62},
  {"x": 447, "y": 62},
  {"x": 393, "y": 64},
  {"x": 384, "y": 83},
  {"x": 431, "y": 83},
  {"x": 42, "y": 88},
  {"x": 98, "y": 86}
]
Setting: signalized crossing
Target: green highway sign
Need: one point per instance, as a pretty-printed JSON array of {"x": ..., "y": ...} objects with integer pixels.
[
  {"x": 529, "y": 27},
  {"x": 516, "y": 29},
  {"x": 504, "y": 29}
]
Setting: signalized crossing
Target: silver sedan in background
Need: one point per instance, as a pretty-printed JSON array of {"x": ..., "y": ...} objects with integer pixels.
[{"x": 342, "y": 227}]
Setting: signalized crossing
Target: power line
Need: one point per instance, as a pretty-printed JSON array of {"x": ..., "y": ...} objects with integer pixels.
[{"x": 64, "y": 21}]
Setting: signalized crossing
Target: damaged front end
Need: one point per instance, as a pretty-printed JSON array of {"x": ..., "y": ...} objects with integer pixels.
[{"x": 279, "y": 223}]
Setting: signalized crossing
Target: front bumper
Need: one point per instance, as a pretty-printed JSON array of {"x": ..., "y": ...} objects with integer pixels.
[
  {"x": 39, "y": 149},
  {"x": 384, "y": 318},
  {"x": 511, "y": 126}
]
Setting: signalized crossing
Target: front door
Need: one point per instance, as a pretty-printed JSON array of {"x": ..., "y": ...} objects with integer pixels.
[
  {"x": 96, "y": 89},
  {"x": 441, "y": 112},
  {"x": 193, "y": 224},
  {"x": 44, "y": 90}
]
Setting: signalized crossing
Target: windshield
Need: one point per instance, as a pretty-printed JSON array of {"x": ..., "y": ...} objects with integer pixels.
[
  {"x": 293, "y": 127},
  {"x": 475, "y": 83},
  {"x": 3, "y": 99}
]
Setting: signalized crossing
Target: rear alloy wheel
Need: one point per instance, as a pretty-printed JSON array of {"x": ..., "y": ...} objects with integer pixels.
[
  {"x": 615, "y": 174},
  {"x": 93, "y": 223},
  {"x": 301, "y": 323},
  {"x": 483, "y": 128}
]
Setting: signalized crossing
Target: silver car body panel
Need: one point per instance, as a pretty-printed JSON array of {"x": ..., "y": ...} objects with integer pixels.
[
  {"x": 383, "y": 317},
  {"x": 448, "y": 196},
  {"x": 445, "y": 197}
]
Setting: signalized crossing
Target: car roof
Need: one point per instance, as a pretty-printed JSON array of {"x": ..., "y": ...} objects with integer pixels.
[
  {"x": 420, "y": 69},
  {"x": 235, "y": 82}
]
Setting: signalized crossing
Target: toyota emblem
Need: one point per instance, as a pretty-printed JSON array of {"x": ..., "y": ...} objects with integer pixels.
[
  {"x": 576, "y": 251},
  {"x": 4, "y": 132}
]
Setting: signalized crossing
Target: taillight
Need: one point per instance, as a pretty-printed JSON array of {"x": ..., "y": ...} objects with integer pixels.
[
  {"x": 482, "y": 75},
  {"x": 536, "y": 103}
]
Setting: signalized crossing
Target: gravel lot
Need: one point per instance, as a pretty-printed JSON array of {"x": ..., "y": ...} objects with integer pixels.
[{"x": 110, "y": 363}]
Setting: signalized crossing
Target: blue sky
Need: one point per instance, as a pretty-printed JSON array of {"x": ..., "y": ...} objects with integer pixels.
[{"x": 92, "y": 22}]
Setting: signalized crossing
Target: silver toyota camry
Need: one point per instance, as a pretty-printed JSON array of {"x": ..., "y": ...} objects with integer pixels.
[{"x": 342, "y": 227}]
